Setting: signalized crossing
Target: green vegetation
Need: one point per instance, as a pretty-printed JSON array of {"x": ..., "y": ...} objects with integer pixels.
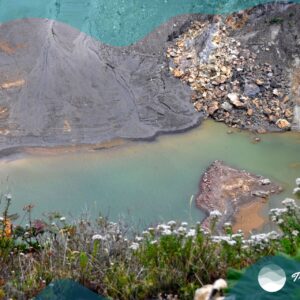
[{"x": 106, "y": 257}]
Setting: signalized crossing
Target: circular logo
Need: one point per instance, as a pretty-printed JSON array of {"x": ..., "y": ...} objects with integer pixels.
[{"x": 271, "y": 278}]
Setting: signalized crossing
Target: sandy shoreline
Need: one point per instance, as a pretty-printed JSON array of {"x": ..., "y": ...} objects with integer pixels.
[{"x": 257, "y": 220}]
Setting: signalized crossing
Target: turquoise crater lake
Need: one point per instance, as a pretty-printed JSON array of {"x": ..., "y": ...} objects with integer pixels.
[
  {"x": 147, "y": 181},
  {"x": 117, "y": 22}
]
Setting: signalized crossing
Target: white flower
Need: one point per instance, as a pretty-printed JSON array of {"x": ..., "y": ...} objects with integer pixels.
[
  {"x": 172, "y": 223},
  {"x": 184, "y": 224},
  {"x": 153, "y": 242},
  {"x": 280, "y": 221},
  {"x": 98, "y": 237},
  {"x": 273, "y": 218},
  {"x": 295, "y": 232},
  {"x": 227, "y": 224},
  {"x": 260, "y": 238},
  {"x": 162, "y": 227},
  {"x": 289, "y": 202},
  {"x": 181, "y": 229},
  {"x": 134, "y": 246},
  {"x": 62, "y": 219},
  {"x": 278, "y": 211},
  {"x": 237, "y": 235},
  {"x": 215, "y": 214},
  {"x": 8, "y": 196},
  {"x": 139, "y": 238},
  {"x": 298, "y": 182},
  {"x": 296, "y": 191},
  {"x": 191, "y": 233},
  {"x": 167, "y": 232},
  {"x": 231, "y": 243},
  {"x": 273, "y": 235},
  {"x": 220, "y": 238},
  {"x": 1, "y": 219},
  {"x": 145, "y": 232}
]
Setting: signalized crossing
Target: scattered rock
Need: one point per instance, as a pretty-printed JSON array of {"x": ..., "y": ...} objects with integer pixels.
[
  {"x": 261, "y": 194},
  {"x": 265, "y": 181},
  {"x": 251, "y": 89},
  {"x": 250, "y": 82},
  {"x": 283, "y": 124},
  {"x": 235, "y": 100},
  {"x": 213, "y": 107},
  {"x": 250, "y": 112},
  {"x": 226, "y": 106},
  {"x": 198, "y": 105}
]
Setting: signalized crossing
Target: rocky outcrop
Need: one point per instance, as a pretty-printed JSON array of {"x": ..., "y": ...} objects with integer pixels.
[
  {"x": 243, "y": 64},
  {"x": 225, "y": 189}
]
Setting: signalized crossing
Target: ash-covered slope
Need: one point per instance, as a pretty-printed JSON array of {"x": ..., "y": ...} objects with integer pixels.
[{"x": 59, "y": 87}]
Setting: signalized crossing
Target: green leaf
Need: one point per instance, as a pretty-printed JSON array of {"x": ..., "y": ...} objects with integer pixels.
[{"x": 83, "y": 260}]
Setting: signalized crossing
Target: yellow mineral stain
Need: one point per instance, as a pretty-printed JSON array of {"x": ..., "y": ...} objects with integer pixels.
[
  {"x": 67, "y": 126},
  {"x": 249, "y": 217},
  {"x": 12, "y": 84}
]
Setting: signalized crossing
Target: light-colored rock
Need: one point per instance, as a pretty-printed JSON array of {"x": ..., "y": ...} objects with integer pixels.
[
  {"x": 261, "y": 194},
  {"x": 226, "y": 106},
  {"x": 178, "y": 73},
  {"x": 213, "y": 107},
  {"x": 198, "y": 105},
  {"x": 283, "y": 124},
  {"x": 235, "y": 100},
  {"x": 265, "y": 181},
  {"x": 250, "y": 112},
  {"x": 259, "y": 82},
  {"x": 288, "y": 113}
]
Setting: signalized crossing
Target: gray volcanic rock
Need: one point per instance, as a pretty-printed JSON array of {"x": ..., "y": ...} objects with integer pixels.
[{"x": 59, "y": 86}]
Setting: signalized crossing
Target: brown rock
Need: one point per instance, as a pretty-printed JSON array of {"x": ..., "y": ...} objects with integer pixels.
[
  {"x": 261, "y": 130},
  {"x": 178, "y": 73},
  {"x": 283, "y": 124},
  {"x": 259, "y": 82},
  {"x": 213, "y": 107},
  {"x": 250, "y": 112},
  {"x": 288, "y": 113},
  {"x": 198, "y": 105},
  {"x": 235, "y": 100}
]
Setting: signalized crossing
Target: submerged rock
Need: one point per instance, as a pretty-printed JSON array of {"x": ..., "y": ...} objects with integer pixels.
[{"x": 225, "y": 189}]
